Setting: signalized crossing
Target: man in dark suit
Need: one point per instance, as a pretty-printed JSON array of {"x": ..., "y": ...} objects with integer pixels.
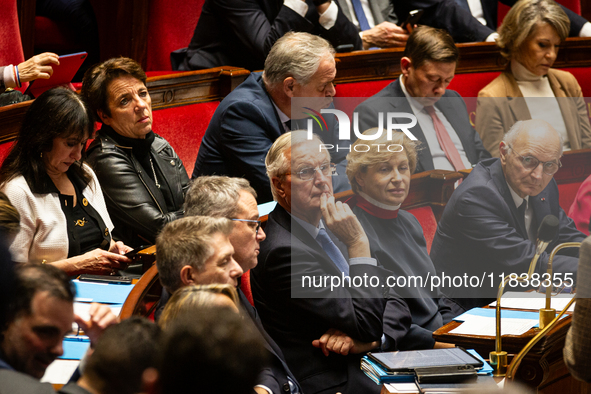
[
  {"x": 486, "y": 14},
  {"x": 489, "y": 226},
  {"x": 241, "y": 32},
  {"x": 249, "y": 119},
  {"x": 235, "y": 199},
  {"x": 302, "y": 249},
  {"x": 449, "y": 141}
]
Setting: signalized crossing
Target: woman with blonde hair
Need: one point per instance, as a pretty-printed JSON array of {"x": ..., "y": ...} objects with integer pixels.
[
  {"x": 530, "y": 88},
  {"x": 380, "y": 175},
  {"x": 189, "y": 298}
]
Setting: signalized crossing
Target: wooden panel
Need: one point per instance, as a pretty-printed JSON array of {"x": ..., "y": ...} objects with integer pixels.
[
  {"x": 474, "y": 57},
  {"x": 166, "y": 91},
  {"x": 576, "y": 167}
]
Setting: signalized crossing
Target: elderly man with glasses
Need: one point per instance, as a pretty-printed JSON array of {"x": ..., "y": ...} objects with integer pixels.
[{"x": 489, "y": 226}]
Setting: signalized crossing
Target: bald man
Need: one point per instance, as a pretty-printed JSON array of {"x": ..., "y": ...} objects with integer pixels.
[{"x": 489, "y": 226}]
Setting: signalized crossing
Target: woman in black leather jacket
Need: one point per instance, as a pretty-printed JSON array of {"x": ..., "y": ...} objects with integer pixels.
[{"x": 143, "y": 180}]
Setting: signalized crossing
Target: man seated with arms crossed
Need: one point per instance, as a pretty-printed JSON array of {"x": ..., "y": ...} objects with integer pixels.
[
  {"x": 257, "y": 112},
  {"x": 298, "y": 245},
  {"x": 491, "y": 221},
  {"x": 40, "y": 315},
  {"x": 235, "y": 199},
  {"x": 443, "y": 125},
  {"x": 197, "y": 250}
]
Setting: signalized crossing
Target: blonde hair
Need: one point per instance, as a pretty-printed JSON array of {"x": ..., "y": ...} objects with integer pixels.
[
  {"x": 522, "y": 20},
  {"x": 190, "y": 298},
  {"x": 359, "y": 160}
]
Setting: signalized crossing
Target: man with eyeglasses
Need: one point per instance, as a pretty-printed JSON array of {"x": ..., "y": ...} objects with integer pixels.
[
  {"x": 235, "y": 199},
  {"x": 489, "y": 226},
  {"x": 309, "y": 235}
]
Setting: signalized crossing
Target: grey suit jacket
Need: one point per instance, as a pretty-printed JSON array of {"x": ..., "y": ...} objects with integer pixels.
[
  {"x": 12, "y": 382},
  {"x": 381, "y": 10}
]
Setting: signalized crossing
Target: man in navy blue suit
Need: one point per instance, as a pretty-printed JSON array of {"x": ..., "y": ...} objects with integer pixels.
[
  {"x": 428, "y": 66},
  {"x": 489, "y": 226},
  {"x": 257, "y": 112}
]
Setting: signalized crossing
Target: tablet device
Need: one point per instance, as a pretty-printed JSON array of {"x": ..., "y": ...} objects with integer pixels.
[
  {"x": 62, "y": 74},
  {"x": 408, "y": 361}
]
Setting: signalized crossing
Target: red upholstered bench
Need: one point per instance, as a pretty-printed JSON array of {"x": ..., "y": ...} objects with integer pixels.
[
  {"x": 426, "y": 218},
  {"x": 183, "y": 127}
]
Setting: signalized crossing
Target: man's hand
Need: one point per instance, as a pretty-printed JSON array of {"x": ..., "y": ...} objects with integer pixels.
[
  {"x": 344, "y": 224},
  {"x": 384, "y": 35},
  {"x": 338, "y": 342},
  {"x": 38, "y": 66},
  {"x": 101, "y": 317}
]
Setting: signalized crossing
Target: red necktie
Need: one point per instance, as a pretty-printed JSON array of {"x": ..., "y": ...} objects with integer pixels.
[{"x": 451, "y": 152}]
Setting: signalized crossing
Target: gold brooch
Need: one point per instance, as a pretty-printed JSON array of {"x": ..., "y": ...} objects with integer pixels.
[{"x": 81, "y": 222}]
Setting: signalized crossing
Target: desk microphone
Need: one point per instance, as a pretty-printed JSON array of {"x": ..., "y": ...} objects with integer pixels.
[{"x": 546, "y": 233}]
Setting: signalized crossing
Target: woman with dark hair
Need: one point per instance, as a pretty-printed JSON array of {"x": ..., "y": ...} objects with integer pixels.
[
  {"x": 64, "y": 220},
  {"x": 143, "y": 179}
]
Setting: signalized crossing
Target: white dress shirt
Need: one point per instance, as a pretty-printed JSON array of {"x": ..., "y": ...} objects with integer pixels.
[{"x": 326, "y": 20}]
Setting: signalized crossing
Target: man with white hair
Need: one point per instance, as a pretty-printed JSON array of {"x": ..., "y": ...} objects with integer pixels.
[
  {"x": 489, "y": 226},
  {"x": 311, "y": 238},
  {"x": 257, "y": 112}
]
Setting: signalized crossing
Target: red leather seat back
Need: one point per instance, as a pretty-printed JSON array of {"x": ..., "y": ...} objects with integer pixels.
[
  {"x": 426, "y": 218},
  {"x": 171, "y": 25},
  {"x": 573, "y": 5},
  {"x": 184, "y": 127},
  {"x": 10, "y": 36}
]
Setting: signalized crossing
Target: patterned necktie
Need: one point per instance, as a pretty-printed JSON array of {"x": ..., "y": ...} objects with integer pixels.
[
  {"x": 450, "y": 150},
  {"x": 332, "y": 251}
]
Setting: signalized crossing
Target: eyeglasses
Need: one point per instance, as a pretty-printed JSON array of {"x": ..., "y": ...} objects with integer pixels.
[
  {"x": 307, "y": 173},
  {"x": 258, "y": 223},
  {"x": 530, "y": 163}
]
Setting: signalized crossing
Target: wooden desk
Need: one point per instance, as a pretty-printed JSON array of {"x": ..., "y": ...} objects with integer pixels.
[{"x": 542, "y": 368}]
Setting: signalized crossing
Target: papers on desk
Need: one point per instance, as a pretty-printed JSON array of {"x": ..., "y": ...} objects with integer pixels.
[
  {"x": 534, "y": 301},
  {"x": 482, "y": 321},
  {"x": 266, "y": 208},
  {"x": 82, "y": 309},
  {"x": 60, "y": 371}
]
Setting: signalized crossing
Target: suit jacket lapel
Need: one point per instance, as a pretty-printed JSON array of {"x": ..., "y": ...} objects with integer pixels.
[
  {"x": 446, "y": 105},
  {"x": 498, "y": 178},
  {"x": 400, "y": 104},
  {"x": 297, "y": 231},
  {"x": 567, "y": 107}
]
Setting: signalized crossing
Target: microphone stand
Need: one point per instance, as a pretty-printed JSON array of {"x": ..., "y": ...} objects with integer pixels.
[
  {"x": 546, "y": 232},
  {"x": 548, "y": 313}
]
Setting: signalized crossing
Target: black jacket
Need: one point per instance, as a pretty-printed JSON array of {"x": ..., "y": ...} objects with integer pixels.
[{"x": 138, "y": 208}]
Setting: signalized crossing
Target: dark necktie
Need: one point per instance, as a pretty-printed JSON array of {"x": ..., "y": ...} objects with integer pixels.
[
  {"x": 361, "y": 18},
  {"x": 521, "y": 214},
  {"x": 332, "y": 251},
  {"x": 288, "y": 124}
]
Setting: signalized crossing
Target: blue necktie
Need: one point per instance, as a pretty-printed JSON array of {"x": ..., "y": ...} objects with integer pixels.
[
  {"x": 332, "y": 251},
  {"x": 361, "y": 18}
]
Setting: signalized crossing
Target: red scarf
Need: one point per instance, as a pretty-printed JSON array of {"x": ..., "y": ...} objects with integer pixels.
[{"x": 368, "y": 207}]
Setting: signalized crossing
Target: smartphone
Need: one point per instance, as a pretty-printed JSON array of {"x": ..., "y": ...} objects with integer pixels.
[
  {"x": 132, "y": 254},
  {"x": 124, "y": 280},
  {"x": 412, "y": 18}
]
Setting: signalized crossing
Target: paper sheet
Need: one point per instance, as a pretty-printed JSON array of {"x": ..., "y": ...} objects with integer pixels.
[
  {"x": 479, "y": 325},
  {"x": 534, "y": 301},
  {"x": 401, "y": 388},
  {"x": 60, "y": 371}
]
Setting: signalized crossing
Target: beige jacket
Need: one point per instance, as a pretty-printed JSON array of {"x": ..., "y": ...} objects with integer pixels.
[{"x": 500, "y": 105}]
